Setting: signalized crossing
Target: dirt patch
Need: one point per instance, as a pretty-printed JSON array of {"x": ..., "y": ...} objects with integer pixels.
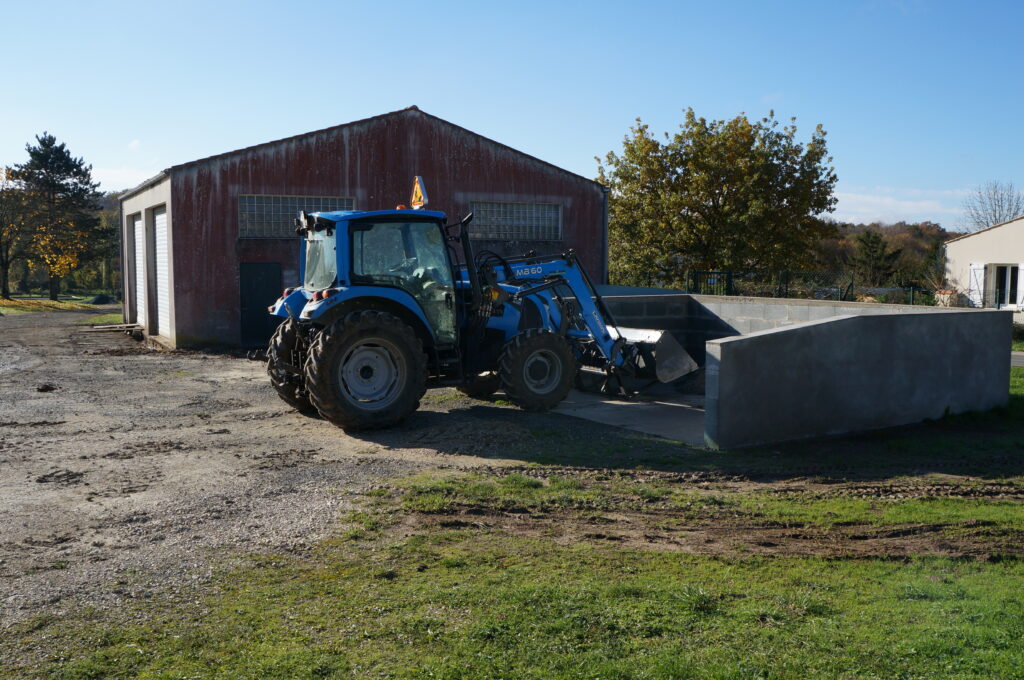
[
  {"x": 61, "y": 478},
  {"x": 666, "y": 531},
  {"x": 147, "y": 467},
  {"x": 991, "y": 490},
  {"x": 468, "y": 438}
]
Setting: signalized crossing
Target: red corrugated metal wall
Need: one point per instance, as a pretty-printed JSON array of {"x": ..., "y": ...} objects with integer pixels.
[{"x": 373, "y": 161}]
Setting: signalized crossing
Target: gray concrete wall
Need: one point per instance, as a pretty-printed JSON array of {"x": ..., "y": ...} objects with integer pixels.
[
  {"x": 852, "y": 372},
  {"x": 752, "y": 314},
  {"x": 696, "y": 319}
]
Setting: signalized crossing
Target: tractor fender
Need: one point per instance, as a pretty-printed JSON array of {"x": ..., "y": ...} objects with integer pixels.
[
  {"x": 393, "y": 300},
  {"x": 292, "y": 305}
]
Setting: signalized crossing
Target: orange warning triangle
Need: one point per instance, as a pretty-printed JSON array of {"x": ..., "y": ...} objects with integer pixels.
[{"x": 419, "y": 194}]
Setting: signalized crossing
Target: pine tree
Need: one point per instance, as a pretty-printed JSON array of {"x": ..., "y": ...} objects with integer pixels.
[
  {"x": 64, "y": 202},
  {"x": 873, "y": 263}
]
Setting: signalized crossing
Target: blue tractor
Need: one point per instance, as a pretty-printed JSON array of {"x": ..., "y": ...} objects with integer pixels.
[{"x": 395, "y": 301}]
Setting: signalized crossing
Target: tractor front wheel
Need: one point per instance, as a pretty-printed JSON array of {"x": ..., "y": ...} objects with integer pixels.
[
  {"x": 537, "y": 369},
  {"x": 283, "y": 366},
  {"x": 366, "y": 371}
]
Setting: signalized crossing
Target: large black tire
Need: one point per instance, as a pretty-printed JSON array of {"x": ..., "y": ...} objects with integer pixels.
[
  {"x": 285, "y": 374},
  {"x": 483, "y": 386},
  {"x": 366, "y": 371},
  {"x": 537, "y": 369}
]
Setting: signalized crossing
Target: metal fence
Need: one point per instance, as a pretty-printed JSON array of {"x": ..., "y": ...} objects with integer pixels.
[{"x": 806, "y": 285}]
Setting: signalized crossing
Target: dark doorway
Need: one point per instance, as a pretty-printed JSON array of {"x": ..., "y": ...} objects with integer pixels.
[
  {"x": 260, "y": 284},
  {"x": 1000, "y": 286}
]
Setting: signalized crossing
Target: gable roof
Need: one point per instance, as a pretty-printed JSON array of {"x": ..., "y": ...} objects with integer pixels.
[
  {"x": 994, "y": 226},
  {"x": 391, "y": 114}
]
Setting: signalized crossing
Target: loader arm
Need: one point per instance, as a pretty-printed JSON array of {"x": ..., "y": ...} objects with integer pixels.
[{"x": 652, "y": 354}]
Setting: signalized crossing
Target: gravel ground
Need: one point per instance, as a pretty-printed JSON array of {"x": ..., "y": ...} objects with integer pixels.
[{"x": 126, "y": 471}]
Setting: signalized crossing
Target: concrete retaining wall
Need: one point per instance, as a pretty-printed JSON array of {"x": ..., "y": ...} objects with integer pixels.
[
  {"x": 750, "y": 315},
  {"x": 782, "y": 369},
  {"x": 696, "y": 319},
  {"x": 852, "y": 372}
]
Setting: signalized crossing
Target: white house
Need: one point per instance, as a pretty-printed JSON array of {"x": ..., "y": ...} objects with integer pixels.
[{"x": 986, "y": 266}]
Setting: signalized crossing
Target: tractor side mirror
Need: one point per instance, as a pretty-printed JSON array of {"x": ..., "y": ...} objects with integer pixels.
[{"x": 300, "y": 223}]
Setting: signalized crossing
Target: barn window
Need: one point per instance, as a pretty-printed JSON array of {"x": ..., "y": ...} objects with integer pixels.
[
  {"x": 516, "y": 221},
  {"x": 272, "y": 216}
]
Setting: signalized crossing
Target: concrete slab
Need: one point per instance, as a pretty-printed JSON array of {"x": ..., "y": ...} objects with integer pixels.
[
  {"x": 663, "y": 414},
  {"x": 1017, "y": 358}
]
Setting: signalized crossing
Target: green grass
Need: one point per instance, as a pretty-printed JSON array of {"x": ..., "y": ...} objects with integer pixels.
[
  {"x": 573, "y": 496},
  {"x": 468, "y": 604},
  {"x": 1005, "y": 515},
  {"x": 26, "y": 305},
  {"x": 102, "y": 319}
]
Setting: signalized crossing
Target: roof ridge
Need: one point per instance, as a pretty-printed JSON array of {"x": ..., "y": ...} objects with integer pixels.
[
  {"x": 412, "y": 108},
  {"x": 331, "y": 128},
  {"x": 978, "y": 231},
  {"x": 506, "y": 146}
]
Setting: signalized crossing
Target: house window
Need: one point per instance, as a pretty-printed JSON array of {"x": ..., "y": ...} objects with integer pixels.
[
  {"x": 1005, "y": 289},
  {"x": 273, "y": 216},
  {"x": 516, "y": 221}
]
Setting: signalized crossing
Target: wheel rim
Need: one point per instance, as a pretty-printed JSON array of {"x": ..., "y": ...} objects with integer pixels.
[
  {"x": 542, "y": 371},
  {"x": 372, "y": 374}
]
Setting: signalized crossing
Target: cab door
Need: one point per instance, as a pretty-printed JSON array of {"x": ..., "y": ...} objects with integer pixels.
[{"x": 411, "y": 256}]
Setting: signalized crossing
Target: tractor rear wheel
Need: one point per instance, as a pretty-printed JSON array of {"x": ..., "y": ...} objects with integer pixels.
[
  {"x": 537, "y": 369},
  {"x": 283, "y": 366},
  {"x": 366, "y": 371},
  {"x": 483, "y": 386}
]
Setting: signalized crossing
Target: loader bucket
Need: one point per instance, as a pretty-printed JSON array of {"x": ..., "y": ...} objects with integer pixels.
[{"x": 661, "y": 357}]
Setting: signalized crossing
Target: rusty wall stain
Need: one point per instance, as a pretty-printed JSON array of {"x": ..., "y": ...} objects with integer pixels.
[{"x": 373, "y": 161}]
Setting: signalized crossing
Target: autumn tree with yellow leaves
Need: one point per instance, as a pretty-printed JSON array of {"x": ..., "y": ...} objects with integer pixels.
[
  {"x": 14, "y": 227},
  {"x": 62, "y": 207}
]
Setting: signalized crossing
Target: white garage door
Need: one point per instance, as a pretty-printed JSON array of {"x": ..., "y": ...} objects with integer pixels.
[
  {"x": 163, "y": 293},
  {"x": 140, "y": 270}
]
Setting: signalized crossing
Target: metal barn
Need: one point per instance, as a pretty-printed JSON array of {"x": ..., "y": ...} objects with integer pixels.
[{"x": 209, "y": 244}]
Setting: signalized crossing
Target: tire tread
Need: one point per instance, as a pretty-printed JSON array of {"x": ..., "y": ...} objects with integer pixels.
[
  {"x": 320, "y": 379},
  {"x": 515, "y": 350}
]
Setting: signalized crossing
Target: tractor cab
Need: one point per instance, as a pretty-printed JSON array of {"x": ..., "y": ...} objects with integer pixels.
[
  {"x": 411, "y": 255},
  {"x": 401, "y": 253}
]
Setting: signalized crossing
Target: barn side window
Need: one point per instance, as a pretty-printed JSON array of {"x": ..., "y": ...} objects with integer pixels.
[
  {"x": 271, "y": 216},
  {"x": 516, "y": 221}
]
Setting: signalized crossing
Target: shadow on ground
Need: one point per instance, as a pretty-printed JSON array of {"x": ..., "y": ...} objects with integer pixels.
[{"x": 986, "y": 445}]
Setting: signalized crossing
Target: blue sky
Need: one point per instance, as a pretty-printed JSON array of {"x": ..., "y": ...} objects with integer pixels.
[{"x": 921, "y": 100}]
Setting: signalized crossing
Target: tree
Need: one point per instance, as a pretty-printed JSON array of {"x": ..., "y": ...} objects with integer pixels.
[
  {"x": 14, "y": 232},
  {"x": 920, "y": 245},
  {"x": 64, "y": 202},
  {"x": 873, "y": 263},
  {"x": 716, "y": 195},
  {"x": 99, "y": 264},
  {"x": 991, "y": 204}
]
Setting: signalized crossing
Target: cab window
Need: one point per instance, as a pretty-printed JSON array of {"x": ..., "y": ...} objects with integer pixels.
[{"x": 411, "y": 256}]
